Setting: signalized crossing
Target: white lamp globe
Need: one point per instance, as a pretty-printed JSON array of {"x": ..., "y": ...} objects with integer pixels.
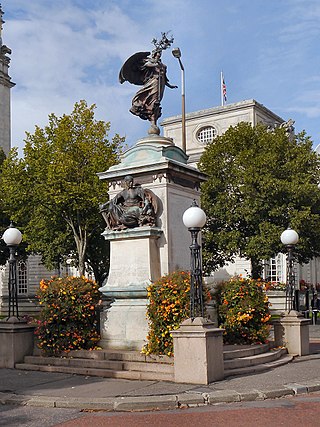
[
  {"x": 289, "y": 237},
  {"x": 194, "y": 217},
  {"x": 12, "y": 236}
]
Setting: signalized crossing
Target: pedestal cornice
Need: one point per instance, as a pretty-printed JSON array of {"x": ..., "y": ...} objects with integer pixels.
[{"x": 133, "y": 233}]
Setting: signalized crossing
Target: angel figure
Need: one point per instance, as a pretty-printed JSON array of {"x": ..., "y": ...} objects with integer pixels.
[
  {"x": 132, "y": 207},
  {"x": 147, "y": 70}
]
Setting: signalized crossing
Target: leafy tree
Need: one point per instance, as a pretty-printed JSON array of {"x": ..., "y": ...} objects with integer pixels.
[
  {"x": 54, "y": 192},
  {"x": 259, "y": 183},
  {"x": 4, "y": 221},
  {"x": 4, "y": 224}
]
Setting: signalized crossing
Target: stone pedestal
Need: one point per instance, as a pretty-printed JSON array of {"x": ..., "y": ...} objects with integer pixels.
[
  {"x": 292, "y": 332},
  {"x": 157, "y": 164},
  {"x": 16, "y": 341},
  {"x": 198, "y": 352},
  {"x": 143, "y": 254},
  {"x": 134, "y": 262}
]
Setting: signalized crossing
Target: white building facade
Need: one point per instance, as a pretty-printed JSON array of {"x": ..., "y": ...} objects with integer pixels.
[{"x": 200, "y": 128}]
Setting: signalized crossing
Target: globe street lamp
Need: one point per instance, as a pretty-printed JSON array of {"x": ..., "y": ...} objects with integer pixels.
[
  {"x": 290, "y": 238},
  {"x": 12, "y": 238},
  {"x": 176, "y": 52},
  {"x": 194, "y": 219}
]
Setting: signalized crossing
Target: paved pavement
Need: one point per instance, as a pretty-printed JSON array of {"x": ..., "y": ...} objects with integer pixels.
[{"x": 75, "y": 391}]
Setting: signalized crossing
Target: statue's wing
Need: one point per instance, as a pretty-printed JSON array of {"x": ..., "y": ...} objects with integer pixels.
[
  {"x": 132, "y": 70},
  {"x": 152, "y": 198}
]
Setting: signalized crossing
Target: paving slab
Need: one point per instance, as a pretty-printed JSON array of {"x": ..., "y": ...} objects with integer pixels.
[
  {"x": 47, "y": 389},
  {"x": 224, "y": 396},
  {"x": 251, "y": 395},
  {"x": 140, "y": 403}
]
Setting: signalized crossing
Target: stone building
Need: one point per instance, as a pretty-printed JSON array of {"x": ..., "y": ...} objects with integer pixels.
[
  {"x": 200, "y": 128},
  {"x": 5, "y": 86}
]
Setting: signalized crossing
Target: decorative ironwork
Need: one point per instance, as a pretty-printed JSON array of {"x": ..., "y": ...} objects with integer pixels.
[
  {"x": 290, "y": 288},
  {"x": 12, "y": 284},
  {"x": 196, "y": 288}
]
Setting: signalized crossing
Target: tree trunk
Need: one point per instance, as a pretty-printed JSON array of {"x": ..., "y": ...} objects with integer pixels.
[
  {"x": 256, "y": 268},
  {"x": 81, "y": 246},
  {"x": 80, "y": 237}
]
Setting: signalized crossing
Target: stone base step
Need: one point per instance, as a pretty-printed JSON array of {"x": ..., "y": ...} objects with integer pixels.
[
  {"x": 114, "y": 365},
  {"x": 255, "y": 359},
  {"x": 237, "y": 351},
  {"x": 238, "y": 360},
  {"x": 251, "y": 370},
  {"x": 96, "y": 372}
]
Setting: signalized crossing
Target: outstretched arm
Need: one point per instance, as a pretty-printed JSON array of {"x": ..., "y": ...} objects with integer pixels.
[
  {"x": 168, "y": 84},
  {"x": 171, "y": 86}
]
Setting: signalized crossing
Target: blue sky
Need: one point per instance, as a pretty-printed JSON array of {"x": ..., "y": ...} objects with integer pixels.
[{"x": 67, "y": 50}]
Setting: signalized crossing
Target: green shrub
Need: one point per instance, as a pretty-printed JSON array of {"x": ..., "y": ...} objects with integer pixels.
[
  {"x": 68, "y": 317},
  {"x": 243, "y": 311},
  {"x": 169, "y": 306}
]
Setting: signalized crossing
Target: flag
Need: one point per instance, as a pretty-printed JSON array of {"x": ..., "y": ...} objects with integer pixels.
[{"x": 223, "y": 90}]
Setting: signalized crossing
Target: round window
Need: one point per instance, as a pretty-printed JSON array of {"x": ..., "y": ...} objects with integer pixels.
[{"x": 206, "y": 134}]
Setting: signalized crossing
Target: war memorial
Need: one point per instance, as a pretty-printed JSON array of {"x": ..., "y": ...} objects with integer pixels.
[{"x": 149, "y": 192}]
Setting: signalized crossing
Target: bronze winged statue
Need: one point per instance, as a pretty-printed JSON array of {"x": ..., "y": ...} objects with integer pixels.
[{"x": 147, "y": 70}]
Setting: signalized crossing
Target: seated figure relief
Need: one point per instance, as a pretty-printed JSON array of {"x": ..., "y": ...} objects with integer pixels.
[{"x": 133, "y": 207}]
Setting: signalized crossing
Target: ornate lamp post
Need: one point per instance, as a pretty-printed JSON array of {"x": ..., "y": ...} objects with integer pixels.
[
  {"x": 176, "y": 52},
  {"x": 12, "y": 237},
  {"x": 290, "y": 238},
  {"x": 194, "y": 219}
]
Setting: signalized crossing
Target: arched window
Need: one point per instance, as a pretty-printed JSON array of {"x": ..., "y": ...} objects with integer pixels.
[{"x": 206, "y": 134}]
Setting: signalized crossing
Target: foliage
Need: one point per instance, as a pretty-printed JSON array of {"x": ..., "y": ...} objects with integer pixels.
[
  {"x": 54, "y": 193},
  {"x": 4, "y": 221},
  {"x": 68, "y": 317},
  {"x": 169, "y": 306},
  {"x": 259, "y": 183},
  {"x": 243, "y": 311}
]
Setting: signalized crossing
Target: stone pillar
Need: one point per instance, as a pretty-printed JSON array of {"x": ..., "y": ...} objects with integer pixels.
[
  {"x": 17, "y": 341},
  {"x": 137, "y": 257},
  {"x": 292, "y": 331},
  {"x": 134, "y": 262},
  {"x": 198, "y": 352}
]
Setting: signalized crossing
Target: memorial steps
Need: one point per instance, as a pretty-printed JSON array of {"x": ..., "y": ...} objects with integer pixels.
[
  {"x": 251, "y": 359},
  {"x": 132, "y": 365}
]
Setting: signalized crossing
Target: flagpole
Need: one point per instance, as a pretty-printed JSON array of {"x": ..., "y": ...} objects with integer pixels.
[{"x": 221, "y": 89}]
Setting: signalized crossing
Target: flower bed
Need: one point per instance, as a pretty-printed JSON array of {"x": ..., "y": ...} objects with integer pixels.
[
  {"x": 243, "y": 311},
  {"x": 68, "y": 318},
  {"x": 169, "y": 306}
]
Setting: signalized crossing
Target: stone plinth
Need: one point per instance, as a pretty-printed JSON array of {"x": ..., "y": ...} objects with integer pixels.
[
  {"x": 134, "y": 262},
  {"x": 157, "y": 164},
  {"x": 143, "y": 254},
  {"x": 292, "y": 332},
  {"x": 198, "y": 352},
  {"x": 134, "y": 259},
  {"x": 17, "y": 340}
]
